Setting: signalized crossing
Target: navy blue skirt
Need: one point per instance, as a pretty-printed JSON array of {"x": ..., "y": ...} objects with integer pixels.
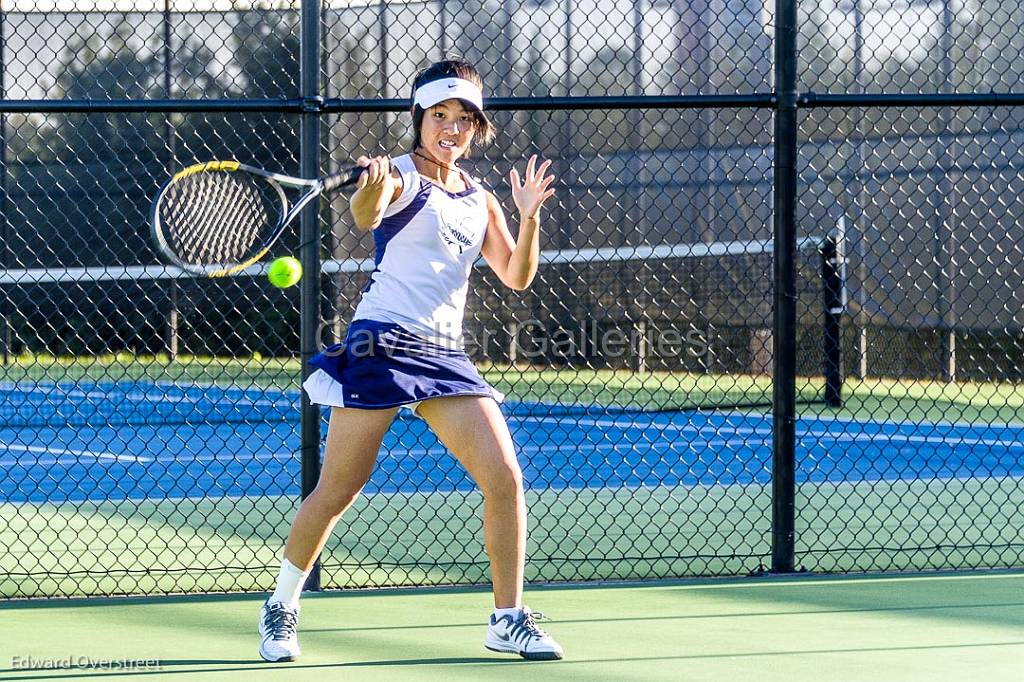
[{"x": 381, "y": 365}]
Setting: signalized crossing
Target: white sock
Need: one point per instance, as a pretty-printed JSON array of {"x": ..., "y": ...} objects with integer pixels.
[
  {"x": 289, "y": 585},
  {"x": 513, "y": 613}
]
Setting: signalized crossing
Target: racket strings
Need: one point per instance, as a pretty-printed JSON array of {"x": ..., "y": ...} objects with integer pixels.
[
  {"x": 222, "y": 226},
  {"x": 213, "y": 218}
]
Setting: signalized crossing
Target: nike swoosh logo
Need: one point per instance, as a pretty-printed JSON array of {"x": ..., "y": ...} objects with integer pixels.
[
  {"x": 451, "y": 86},
  {"x": 503, "y": 638}
]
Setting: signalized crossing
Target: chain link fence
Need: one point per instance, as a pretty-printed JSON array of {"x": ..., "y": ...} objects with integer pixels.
[
  {"x": 151, "y": 440},
  {"x": 928, "y": 197}
]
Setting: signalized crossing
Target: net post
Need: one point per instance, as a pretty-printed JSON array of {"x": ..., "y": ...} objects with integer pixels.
[
  {"x": 784, "y": 295},
  {"x": 512, "y": 328},
  {"x": 309, "y": 254},
  {"x": 173, "y": 323},
  {"x": 643, "y": 349},
  {"x": 832, "y": 285},
  {"x": 6, "y": 342},
  {"x": 5, "y": 329}
]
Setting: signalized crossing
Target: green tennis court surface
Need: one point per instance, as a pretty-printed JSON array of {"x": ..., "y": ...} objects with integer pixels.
[
  {"x": 235, "y": 544},
  {"x": 872, "y": 629}
]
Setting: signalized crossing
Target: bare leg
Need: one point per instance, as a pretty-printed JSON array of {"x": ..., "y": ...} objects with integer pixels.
[
  {"x": 474, "y": 429},
  {"x": 353, "y": 441}
]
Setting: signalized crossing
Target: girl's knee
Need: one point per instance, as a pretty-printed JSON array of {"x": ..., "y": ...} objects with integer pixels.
[
  {"x": 332, "y": 502},
  {"x": 504, "y": 482}
]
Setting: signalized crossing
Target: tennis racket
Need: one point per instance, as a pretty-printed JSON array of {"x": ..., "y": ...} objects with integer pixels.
[{"x": 220, "y": 217}]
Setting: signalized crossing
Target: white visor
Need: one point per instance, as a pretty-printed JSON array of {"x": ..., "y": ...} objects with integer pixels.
[{"x": 433, "y": 92}]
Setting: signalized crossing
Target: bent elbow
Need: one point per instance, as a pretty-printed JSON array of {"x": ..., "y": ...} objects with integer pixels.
[
  {"x": 366, "y": 225},
  {"x": 519, "y": 284}
]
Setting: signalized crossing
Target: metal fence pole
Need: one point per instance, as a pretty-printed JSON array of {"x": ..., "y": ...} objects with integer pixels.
[
  {"x": 382, "y": 67},
  {"x": 784, "y": 304},
  {"x": 860, "y": 196},
  {"x": 946, "y": 200},
  {"x": 309, "y": 255},
  {"x": 173, "y": 314},
  {"x": 6, "y": 312}
]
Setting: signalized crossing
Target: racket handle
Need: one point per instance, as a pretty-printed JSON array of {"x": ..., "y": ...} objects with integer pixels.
[{"x": 342, "y": 179}]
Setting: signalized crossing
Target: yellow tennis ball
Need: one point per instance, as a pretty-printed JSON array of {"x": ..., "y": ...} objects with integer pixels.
[{"x": 284, "y": 272}]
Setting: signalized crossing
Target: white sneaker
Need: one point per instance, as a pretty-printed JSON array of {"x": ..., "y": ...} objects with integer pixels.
[
  {"x": 523, "y": 637},
  {"x": 278, "y": 640}
]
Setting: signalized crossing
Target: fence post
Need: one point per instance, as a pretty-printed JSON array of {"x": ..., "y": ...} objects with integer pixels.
[
  {"x": 173, "y": 314},
  {"x": 7, "y": 310},
  {"x": 309, "y": 255},
  {"x": 784, "y": 304},
  {"x": 946, "y": 201},
  {"x": 859, "y": 163}
]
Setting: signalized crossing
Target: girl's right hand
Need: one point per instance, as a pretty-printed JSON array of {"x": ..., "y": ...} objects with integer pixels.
[
  {"x": 377, "y": 175},
  {"x": 376, "y": 189}
]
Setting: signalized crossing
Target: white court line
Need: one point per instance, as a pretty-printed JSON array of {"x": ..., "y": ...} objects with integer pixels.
[
  {"x": 899, "y": 422},
  {"x": 692, "y": 446},
  {"x": 568, "y": 420},
  {"x": 696, "y": 445},
  {"x": 824, "y": 434},
  {"x": 884, "y": 438},
  {"x": 140, "y": 385},
  {"x": 58, "y": 452},
  {"x": 849, "y": 420},
  {"x": 664, "y": 426},
  {"x": 396, "y": 452},
  {"x": 826, "y": 437},
  {"x": 229, "y": 457}
]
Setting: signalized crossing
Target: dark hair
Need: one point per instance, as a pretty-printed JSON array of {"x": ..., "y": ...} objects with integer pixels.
[{"x": 483, "y": 129}]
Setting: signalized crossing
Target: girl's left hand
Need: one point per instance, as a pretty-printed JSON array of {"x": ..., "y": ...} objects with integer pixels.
[{"x": 534, "y": 190}]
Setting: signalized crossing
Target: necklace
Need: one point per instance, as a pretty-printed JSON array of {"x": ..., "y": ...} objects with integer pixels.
[{"x": 436, "y": 163}]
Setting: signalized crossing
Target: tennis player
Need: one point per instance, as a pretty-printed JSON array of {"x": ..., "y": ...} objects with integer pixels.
[{"x": 404, "y": 347}]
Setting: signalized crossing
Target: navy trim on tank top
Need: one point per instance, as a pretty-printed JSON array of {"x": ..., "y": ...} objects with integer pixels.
[
  {"x": 454, "y": 195},
  {"x": 391, "y": 226}
]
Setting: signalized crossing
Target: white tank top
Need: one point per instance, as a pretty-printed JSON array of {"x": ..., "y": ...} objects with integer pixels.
[{"x": 425, "y": 249}]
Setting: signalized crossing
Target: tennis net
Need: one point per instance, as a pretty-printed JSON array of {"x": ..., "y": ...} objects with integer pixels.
[
  {"x": 651, "y": 328},
  {"x": 117, "y": 403}
]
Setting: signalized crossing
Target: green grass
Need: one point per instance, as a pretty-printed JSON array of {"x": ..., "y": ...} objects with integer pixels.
[
  {"x": 929, "y": 401},
  {"x": 251, "y": 371},
  {"x": 624, "y": 388}
]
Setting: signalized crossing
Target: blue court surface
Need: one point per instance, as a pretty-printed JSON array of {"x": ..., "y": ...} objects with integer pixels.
[{"x": 111, "y": 441}]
